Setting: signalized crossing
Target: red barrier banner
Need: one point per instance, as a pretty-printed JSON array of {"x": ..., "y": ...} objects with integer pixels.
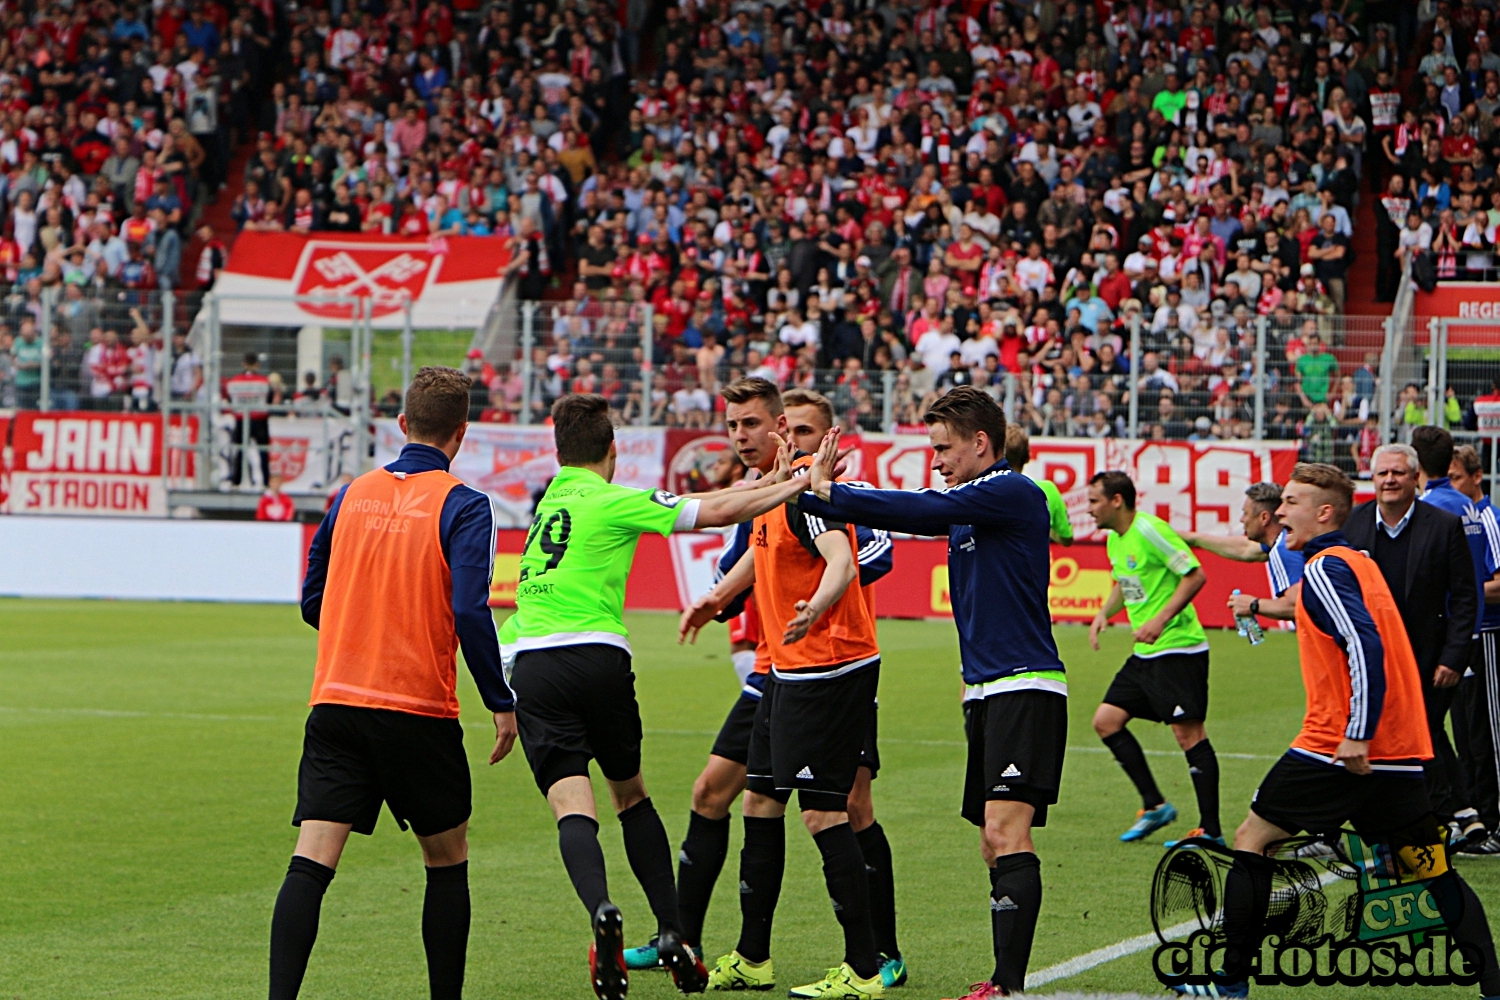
[
  {"x": 5, "y": 463},
  {"x": 916, "y": 587},
  {"x": 93, "y": 463},
  {"x": 1460, "y": 300}
]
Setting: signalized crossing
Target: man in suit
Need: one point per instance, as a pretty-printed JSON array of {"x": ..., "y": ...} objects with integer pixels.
[{"x": 1424, "y": 557}]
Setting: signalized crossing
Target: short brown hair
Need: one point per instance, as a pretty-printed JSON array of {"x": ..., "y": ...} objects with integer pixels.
[
  {"x": 1115, "y": 483},
  {"x": 1434, "y": 447},
  {"x": 743, "y": 390},
  {"x": 1467, "y": 456},
  {"x": 809, "y": 397},
  {"x": 582, "y": 429},
  {"x": 1017, "y": 446},
  {"x": 966, "y": 411},
  {"x": 1331, "y": 480},
  {"x": 437, "y": 403}
]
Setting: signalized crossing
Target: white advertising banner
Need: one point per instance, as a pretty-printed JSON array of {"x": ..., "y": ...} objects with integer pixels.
[
  {"x": 310, "y": 453},
  {"x": 164, "y": 560},
  {"x": 513, "y": 463}
]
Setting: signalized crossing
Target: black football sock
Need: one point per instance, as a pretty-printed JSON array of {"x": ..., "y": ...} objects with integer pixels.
[
  {"x": 849, "y": 888},
  {"x": 578, "y": 838},
  {"x": 762, "y": 863},
  {"x": 1464, "y": 914},
  {"x": 877, "y": 852},
  {"x": 1203, "y": 768},
  {"x": 1128, "y": 752},
  {"x": 650, "y": 855},
  {"x": 1015, "y": 902},
  {"x": 698, "y": 867},
  {"x": 1247, "y": 896},
  {"x": 445, "y": 929},
  {"x": 294, "y": 924}
]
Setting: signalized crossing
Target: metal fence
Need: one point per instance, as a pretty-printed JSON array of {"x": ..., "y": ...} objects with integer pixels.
[{"x": 1335, "y": 384}]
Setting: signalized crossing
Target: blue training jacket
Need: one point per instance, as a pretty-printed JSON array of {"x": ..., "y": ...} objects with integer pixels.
[
  {"x": 467, "y": 530},
  {"x": 1283, "y": 566},
  {"x": 999, "y": 563},
  {"x": 1441, "y": 494}
]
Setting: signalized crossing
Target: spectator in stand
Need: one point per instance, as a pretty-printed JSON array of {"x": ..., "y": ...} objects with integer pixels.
[
  {"x": 1316, "y": 369},
  {"x": 275, "y": 505}
]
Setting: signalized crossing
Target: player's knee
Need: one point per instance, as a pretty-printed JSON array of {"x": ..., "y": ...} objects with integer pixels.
[
  {"x": 1004, "y": 838},
  {"x": 861, "y": 811},
  {"x": 1189, "y": 734},
  {"x": 1248, "y": 836},
  {"x": 1107, "y": 722},
  {"x": 710, "y": 799}
]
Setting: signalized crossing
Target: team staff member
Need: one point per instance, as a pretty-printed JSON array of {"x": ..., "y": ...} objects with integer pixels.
[
  {"x": 1018, "y": 454},
  {"x": 575, "y": 692},
  {"x": 811, "y": 728},
  {"x": 1166, "y": 677},
  {"x": 1476, "y": 706},
  {"x": 249, "y": 393},
  {"x": 1015, "y": 696},
  {"x": 1421, "y": 550},
  {"x": 1358, "y": 758},
  {"x": 754, "y": 409},
  {"x": 398, "y": 578},
  {"x": 1264, "y": 541}
]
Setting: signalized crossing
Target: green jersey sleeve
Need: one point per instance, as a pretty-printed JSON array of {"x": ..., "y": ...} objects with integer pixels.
[
  {"x": 1057, "y": 510},
  {"x": 639, "y": 511}
]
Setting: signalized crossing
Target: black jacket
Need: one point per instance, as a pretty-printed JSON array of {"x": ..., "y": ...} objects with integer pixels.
[{"x": 1440, "y": 595}]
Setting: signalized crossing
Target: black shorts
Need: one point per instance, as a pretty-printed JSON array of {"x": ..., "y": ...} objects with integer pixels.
[
  {"x": 574, "y": 704},
  {"x": 1016, "y": 745},
  {"x": 733, "y": 741},
  {"x": 1169, "y": 688},
  {"x": 809, "y": 737},
  {"x": 1302, "y": 794},
  {"x": 353, "y": 759}
]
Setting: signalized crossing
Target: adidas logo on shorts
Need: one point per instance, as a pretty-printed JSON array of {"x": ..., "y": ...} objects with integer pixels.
[
  {"x": 1003, "y": 903},
  {"x": 1178, "y": 711},
  {"x": 805, "y": 774},
  {"x": 682, "y": 858},
  {"x": 745, "y": 890},
  {"x": 1011, "y": 771},
  {"x": 1000, "y": 788}
]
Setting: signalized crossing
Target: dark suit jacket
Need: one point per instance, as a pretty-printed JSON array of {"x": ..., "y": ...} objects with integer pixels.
[{"x": 1439, "y": 591}]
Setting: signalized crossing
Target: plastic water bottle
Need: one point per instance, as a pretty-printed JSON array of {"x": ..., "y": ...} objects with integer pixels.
[{"x": 1247, "y": 626}]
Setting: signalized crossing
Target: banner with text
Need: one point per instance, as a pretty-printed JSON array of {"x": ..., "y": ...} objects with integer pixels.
[
  {"x": 311, "y": 453},
  {"x": 513, "y": 464},
  {"x": 93, "y": 463},
  {"x": 1195, "y": 486}
]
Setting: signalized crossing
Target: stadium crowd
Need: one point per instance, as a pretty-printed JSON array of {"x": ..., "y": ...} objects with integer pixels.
[{"x": 971, "y": 193}]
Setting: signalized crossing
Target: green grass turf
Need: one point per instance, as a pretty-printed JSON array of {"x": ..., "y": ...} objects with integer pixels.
[{"x": 148, "y": 760}]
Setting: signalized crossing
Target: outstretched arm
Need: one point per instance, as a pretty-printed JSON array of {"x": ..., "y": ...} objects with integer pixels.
[
  {"x": 725, "y": 507},
  {"x": 1236, "y": 547}
]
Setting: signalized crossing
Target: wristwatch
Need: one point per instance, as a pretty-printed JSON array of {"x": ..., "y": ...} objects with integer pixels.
[{"x": 1255, "y": 606}]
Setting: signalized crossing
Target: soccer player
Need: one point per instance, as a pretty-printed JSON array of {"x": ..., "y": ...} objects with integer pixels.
[
  {"x": 1015, "y": 691},
  {"x": 1264, "y": 541},
  {"x": 1166, "y": 677},
  {"x": 755, "y": 409},
  {"x": 1476, "y": 707},
  {"x": 1018, "y": 453},
  {"x": 575, "y": 693},
  {"x": 398, "y": 578},
  {"x": 814, "y": 722},
  {"x": 1358, "y": 758}
]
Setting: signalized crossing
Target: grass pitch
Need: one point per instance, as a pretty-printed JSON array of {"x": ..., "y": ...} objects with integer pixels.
[{"x": 148, "y": 759}]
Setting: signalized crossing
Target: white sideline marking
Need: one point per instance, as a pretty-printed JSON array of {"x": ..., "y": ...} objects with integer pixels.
[{"x": 1120, "y": 949}]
